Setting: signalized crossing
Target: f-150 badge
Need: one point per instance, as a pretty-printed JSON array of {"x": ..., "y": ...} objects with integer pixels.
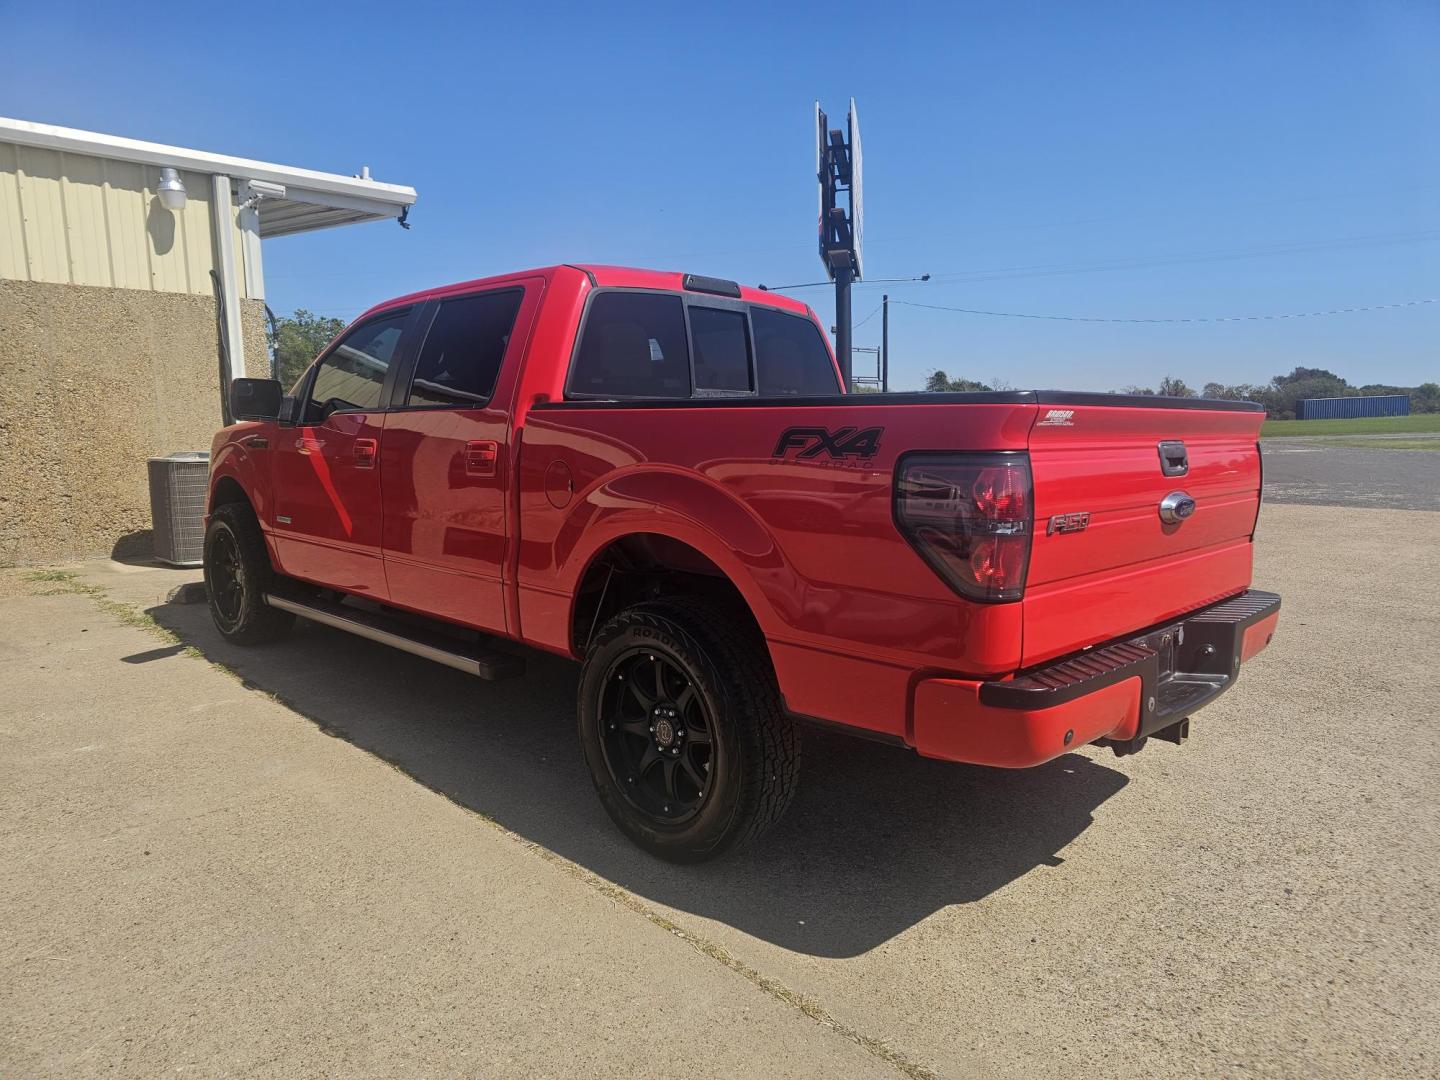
[
  {"x": 1068, "y": 523},
  {"x": 845, "y": 442}
]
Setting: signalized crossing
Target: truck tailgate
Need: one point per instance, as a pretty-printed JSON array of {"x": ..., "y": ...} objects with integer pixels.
[{"x": 1103, "y": 562}]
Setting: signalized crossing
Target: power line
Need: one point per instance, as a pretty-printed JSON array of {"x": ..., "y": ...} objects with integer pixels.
[
  {"x": 867, "y": 318},
  {"x": 866, "y": 281},
  {"x": 1144, "y": 262},
  {"x": 1196, "y": 319},
  {"x": 1109, "y": 265}
]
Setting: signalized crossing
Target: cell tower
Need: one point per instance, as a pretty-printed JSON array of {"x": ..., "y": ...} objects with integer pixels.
[{"x": 838, "y": 168}]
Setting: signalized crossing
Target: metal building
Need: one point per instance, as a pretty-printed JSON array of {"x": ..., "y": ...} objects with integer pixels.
[
  {"x": 1348, "y": 408},
  {"x": 110, "y": 329}
]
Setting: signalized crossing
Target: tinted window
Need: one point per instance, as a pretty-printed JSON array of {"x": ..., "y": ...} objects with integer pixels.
[
  {"x": 633, "y": 346},
  {"x": 461, "y": 357},
  {"x": 722, "y": 349},
  {"x": 352, "y": 376},
  {"x": 791, "y": 356}
]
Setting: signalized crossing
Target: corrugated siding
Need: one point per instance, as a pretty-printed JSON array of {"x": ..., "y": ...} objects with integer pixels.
[
  {"x": 1349, "y": 408},
  {"x": 81, "y": 220},
  {"x": 14, "y": 261}
]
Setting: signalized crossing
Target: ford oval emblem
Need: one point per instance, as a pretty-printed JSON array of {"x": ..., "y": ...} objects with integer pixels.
[{"x": 1176, "y": 507}]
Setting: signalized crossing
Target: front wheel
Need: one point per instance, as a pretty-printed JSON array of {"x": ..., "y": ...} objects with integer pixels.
[
  {"x": 237, "y": 575},
  {"x": 683, "y": 730}
]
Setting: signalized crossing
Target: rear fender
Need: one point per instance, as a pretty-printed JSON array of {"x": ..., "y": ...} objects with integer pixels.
[{"x": 684, "y": 507}]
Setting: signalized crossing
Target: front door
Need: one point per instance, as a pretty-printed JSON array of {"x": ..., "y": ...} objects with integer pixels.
[{"x": 327, "y": 464}]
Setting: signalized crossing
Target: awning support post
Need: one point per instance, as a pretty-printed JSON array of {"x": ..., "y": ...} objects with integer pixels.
[{"x": 223, "y": 219}]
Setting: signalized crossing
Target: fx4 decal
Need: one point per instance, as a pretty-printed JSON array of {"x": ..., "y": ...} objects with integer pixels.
[{"x": 845, "y": 442}]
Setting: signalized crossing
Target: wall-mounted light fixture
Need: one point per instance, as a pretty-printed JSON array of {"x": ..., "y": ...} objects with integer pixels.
[{"x": 171, "y": 189}]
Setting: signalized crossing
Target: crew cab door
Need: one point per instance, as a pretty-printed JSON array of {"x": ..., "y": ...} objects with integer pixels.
[
  {"x": 326, "y": 464},
  {"x": 446, "y": 463}
]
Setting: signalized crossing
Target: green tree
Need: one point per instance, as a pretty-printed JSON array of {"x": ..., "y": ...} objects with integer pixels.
[
  {"x": 940, "y": 383},
  {"x": 1425, "y": 398},
  {"x": 1285, "y": 390},
  {"x": 1239, "y": 392},
  {"x": 1170, "y": 386},
  {"x": 297, "y": 339}
]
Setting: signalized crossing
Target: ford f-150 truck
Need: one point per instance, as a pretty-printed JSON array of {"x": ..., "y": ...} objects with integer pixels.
[{"x": 659, "y": 475}]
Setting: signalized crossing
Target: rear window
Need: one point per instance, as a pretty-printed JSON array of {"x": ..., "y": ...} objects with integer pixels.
[
  {"x": 722, "y": 350},
  {"x": 633, "y": 346},
  {"x": 791, "y": 356},
  {"x": 463, "y": 350}
]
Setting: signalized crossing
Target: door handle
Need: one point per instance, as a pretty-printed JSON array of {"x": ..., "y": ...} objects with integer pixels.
[
  {"x": 257, "y": 442},
  {"x": 365, "y": 453},
  {"x": 481, "y": 456}
]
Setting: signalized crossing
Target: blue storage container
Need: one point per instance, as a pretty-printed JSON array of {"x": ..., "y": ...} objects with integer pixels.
[{"x": 1349, "y": 408}]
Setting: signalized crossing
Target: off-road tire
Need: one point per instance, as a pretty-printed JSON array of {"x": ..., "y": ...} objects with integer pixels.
[
  {"x": 758, "y": 759},
  {"x": 242, "y": 618}
]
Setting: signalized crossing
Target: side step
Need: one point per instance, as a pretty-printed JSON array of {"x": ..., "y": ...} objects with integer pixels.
[{"x": 469, "y": 657}]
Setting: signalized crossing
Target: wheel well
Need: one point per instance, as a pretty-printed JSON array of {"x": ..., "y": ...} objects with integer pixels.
[
  {"x": 227, "y": 490},
  {"x": 647, "y": 566}
]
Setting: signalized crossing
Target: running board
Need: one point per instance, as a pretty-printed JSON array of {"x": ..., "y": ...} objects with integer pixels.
[{"x": 469, "y": 657}]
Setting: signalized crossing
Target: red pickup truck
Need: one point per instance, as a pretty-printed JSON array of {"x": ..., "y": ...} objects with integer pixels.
[{"x": 659, "y": 475}]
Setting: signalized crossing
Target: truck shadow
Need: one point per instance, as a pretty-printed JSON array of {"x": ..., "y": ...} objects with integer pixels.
[{"x": 876, "y": 840}]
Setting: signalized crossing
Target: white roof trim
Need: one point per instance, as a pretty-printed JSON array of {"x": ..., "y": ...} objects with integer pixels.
[{"x": 367, "y": 199}]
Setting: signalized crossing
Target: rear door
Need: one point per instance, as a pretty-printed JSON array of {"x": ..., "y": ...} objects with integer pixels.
[
  {"x": 446, "y": 463},
  {"x": 326, "y": 476},
  {"x": 1105, "y": 560}
]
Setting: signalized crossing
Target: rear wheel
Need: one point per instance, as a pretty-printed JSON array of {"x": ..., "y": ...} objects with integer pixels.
[
  {"x": 237, "y": 576},
  {"x": 683, "y": 730}
]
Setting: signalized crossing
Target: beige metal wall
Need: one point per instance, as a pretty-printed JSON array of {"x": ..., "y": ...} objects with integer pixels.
[{"x": 80, "y": 220}]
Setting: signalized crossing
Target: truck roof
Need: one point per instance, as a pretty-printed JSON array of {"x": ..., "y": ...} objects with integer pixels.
[{"x": 601, "y": 276}]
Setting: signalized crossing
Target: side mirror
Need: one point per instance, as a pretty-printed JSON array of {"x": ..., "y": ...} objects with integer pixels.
[{"x": 255, "y": 399}]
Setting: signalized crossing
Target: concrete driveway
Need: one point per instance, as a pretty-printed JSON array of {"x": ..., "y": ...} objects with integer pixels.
[{"x": 345, "y": 860}]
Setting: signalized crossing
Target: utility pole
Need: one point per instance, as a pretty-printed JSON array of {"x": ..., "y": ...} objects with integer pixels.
[{"x": 885, "y": 344}]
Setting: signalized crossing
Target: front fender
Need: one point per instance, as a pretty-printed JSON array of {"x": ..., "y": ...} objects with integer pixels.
[{"x": 231, "y": 458}]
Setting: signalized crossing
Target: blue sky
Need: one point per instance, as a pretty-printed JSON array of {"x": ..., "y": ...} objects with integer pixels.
[{"x": 1114, "y": 160}]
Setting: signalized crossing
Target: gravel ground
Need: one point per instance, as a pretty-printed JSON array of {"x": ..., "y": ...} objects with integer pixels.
[{"x": 1259, "y": 902}]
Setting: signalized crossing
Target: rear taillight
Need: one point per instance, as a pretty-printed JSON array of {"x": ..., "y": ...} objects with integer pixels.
[{"x": 969, "y": 516}]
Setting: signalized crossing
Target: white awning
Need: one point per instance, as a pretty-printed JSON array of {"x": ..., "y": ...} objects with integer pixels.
[{"x": 312, "y": 200}]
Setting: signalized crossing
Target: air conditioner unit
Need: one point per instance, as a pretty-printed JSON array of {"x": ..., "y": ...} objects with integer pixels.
[{"x": 178, "y": 484}]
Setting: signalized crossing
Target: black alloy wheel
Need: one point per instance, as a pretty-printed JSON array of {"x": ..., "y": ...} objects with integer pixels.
[
  {"x": 683, "y": 728},
  {"x": 226, "y": 579},
  {"x": 238, "y": 574},
  {"x": 657, "y": 739}
]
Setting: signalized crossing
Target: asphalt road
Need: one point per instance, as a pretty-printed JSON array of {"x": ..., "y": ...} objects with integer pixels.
[
  {"x": 1327, "y": 472},
  {"x": 356, "y": 862}
]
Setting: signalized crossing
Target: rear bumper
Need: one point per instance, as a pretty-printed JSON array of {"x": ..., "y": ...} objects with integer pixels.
[{"x": 1121, "y": 693}]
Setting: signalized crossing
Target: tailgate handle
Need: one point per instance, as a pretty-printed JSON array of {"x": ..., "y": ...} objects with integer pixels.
[{"x": 1174, "y": 460}]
